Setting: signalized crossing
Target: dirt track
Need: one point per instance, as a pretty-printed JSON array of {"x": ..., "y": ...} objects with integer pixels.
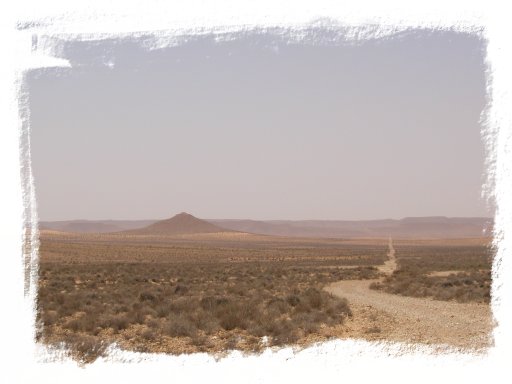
[{"x": 379, "y": 315}]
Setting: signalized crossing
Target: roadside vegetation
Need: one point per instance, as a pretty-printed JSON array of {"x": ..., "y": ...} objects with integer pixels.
[{"x": 459, "y": 273}]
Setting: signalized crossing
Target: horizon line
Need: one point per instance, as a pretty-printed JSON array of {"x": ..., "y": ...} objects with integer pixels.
[{"x": 266, "y": 220}]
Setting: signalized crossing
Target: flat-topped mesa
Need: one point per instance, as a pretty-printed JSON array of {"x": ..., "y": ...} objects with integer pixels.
[{"x": 182, "y": 223}]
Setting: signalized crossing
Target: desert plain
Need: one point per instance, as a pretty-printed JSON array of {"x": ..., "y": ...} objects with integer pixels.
[{"x": 185, "y": 285}]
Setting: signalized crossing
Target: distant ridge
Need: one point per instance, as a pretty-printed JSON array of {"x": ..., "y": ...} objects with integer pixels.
[
  {"x": 409, "y": 227},
  {"x": 93, "y": 226},
  {"x": 182, "y": 223}
]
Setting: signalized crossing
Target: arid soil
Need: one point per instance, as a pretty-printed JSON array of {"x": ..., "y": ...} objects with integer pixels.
[{"x": 379, "y": 315}]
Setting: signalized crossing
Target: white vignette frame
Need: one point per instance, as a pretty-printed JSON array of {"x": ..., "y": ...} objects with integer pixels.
[{"x": 333, "y": 357}]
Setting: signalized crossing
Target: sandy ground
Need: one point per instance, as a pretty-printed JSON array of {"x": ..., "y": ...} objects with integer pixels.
[{"x": 379, "y": 315}]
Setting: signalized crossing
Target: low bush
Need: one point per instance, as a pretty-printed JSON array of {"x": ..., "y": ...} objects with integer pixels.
[{"x": 179, "y": 325}]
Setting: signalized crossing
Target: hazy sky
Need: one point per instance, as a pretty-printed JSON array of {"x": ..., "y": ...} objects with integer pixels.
[{"x": 263, "y": 129}]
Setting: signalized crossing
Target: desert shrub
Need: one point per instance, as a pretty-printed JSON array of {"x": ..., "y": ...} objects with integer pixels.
[
  {"x": 147, "y": 296},
  {"x": 283, "y": 332},
  {"x": 149, "y": 334},
  {"x": 179, "y": 325},
  {"x": 163, "y": 310},
  {"x": 232, "y": 315},
  {"x": 49, "y": 317},
  {"x": 293, "y": 299},
  {"x": 181, "y": 289},
  {"x": 183, "y": 305},
  {"x": 277, "y": 306},
  {"x": 313, "y": 297},
  {"x": 84, "y": 323},
  {"x": 116, "y": 322},
  {"x": 338, "y": 307},
  {"x": 138, "y": 317},
  {"x": 85, "y": 348},
  {"x": 73, "y": 325},
  {"x": 212, "y": 303},
  {"x": 199, "y": 340},
  {"x": 204, "y": 321},
  {"x": 305, "y": 322}
]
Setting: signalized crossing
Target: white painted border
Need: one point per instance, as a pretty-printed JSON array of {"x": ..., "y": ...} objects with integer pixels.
[{"x": 339, "y": 360}]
